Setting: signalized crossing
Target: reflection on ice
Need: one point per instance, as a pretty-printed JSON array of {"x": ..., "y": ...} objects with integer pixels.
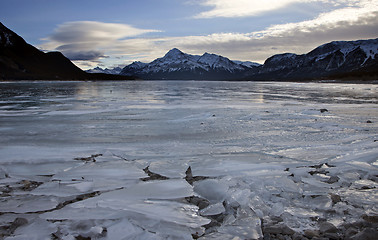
[{"x": 267, "y": 160}]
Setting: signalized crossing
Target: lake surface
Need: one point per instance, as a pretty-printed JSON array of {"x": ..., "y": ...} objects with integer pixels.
[
  {"x": 257, "y": 142},
  {"x": 183, "y": 120}
]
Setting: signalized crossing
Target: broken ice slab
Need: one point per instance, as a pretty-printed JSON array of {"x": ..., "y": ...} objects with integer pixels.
[
  {"x": 82, "y": 186},
  {"x": 229, "y": 167},
  {"x": 213, "y": 209},
  {"x": 170, "y": 169},
  {"x": 97, "y": 176},
  {"x": 124, "y": 229},
  {"x": 119, "y": 170},
  {"x": 142, "y": 199},
  {"x": 37, "y": 230},
  {"x": 28, "y": 204},
  {"x": 60, "y": 189},
  {"x": 167, "y": 189},
  {"x": 36, "y": 171},
  {"x": 139, "y": 211},
  {"x": 130, "y": 229},
  {"x": 70, "y": 213}
]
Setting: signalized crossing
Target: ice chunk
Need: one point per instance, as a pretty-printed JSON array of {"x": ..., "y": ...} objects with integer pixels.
[
  {"x": 319, "y": 203},
  {"x": 211, "y": 189},
  {"x": 316, "y": 183},
  {"x": 365, "y": 184},
  {"x": 213, "y": 209},
  {"x": 246, "y": 226},
  {"x": 277, "y": 209},
  {"x": 241, "y": 196}
]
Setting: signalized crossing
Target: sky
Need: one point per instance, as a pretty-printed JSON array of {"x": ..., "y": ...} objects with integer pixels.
[{"x": 117, "y": 32}]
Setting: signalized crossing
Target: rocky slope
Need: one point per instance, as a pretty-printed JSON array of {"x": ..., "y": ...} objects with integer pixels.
[{"x": 21, "y": 61}]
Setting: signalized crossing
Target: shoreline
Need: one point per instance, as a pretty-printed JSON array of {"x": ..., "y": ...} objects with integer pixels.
[{"x": 330, "y": 81}]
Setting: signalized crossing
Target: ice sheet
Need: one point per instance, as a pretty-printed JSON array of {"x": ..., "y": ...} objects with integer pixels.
[{"x": 74, "y": 157}]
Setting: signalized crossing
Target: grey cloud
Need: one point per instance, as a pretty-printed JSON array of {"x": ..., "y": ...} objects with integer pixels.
[
  {"x": 75, "y": 46},
  {"x": 296, "y": 40},
  {"x": 84, "y": 55}
]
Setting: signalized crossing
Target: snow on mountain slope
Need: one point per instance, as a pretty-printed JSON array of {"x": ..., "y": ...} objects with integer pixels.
[
  {"x": 248, "y": 64},
  {"x": 7, "y": 41},
  {"x": 174, "y": 60},
  {"x": 114, "y": 71},
  {"x": 7, "y": 37},
  {"x": 370, "y": 47},
  {"x": 338, "y": 57},
  {"x": 218, "y": 62}
]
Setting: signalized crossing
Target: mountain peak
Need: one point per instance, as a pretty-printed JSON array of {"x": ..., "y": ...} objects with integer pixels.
[{"x": 174, "y": 52}]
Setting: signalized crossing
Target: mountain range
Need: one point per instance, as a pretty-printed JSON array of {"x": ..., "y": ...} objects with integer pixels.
[
  {"x": 114, "y": 71},
  {"x": 332, "y": 60},
  {"x": 21, "y": 61},
  {"x": 338, "y": 59},
  {"x": 178, "y": 65},
  {"x": 335, "y": 60}
]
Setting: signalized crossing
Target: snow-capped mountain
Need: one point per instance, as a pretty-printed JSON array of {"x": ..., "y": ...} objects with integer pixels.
[
  {"x": 337, "y": 58},
  {"x": 178, "y": 65},
  {"x": 113, "y": 71},
  {"x": 331, "y": 59}
]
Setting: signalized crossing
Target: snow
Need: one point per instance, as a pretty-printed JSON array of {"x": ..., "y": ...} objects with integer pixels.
[
  {"x": 248, "y": 64},
  {"x": 115, "y": 70},
  {"x": 7, "y": 37},
  {"x": 259, "y": 152},
  {"x": 368, "y": 46}
]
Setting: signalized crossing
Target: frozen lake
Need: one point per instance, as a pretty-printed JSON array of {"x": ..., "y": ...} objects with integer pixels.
[{"x": 265, "y": 151}]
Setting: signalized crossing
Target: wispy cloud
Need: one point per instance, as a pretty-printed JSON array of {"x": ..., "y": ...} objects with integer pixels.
[
  {"x": 350, "y": 21},
  {"x": 245, "y": 8}
]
